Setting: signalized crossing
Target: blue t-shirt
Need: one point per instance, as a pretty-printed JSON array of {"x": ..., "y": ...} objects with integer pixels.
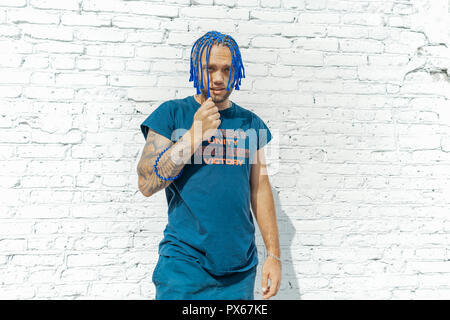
[{"x": 209, "y": 209}]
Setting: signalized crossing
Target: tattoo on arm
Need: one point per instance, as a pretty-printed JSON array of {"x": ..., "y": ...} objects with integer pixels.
[{"x": 149, "y": 182}]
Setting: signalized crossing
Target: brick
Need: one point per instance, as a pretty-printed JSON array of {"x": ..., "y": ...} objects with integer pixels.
[
  {"x": 43, "y": 276},
  {"x": 31, "y": 260},
  {"x": 293, "y": 4},
  {"x": 15, "y": 76},
  {"x": 150, "y": 94},
  {"x": 302, "y": 59},
  {"x": 32, "y": 16},
  {"x": 239, "y": 14},
  {"x": 271, "y": 42},
  {"x": 13, "y": 245},
  {"x": 166, "y": 52},
  {"x": 110, "y": 50},
  {"x": 270, "y": 3},
  {"x": 181, "y": 38},
  {"x": 178, "y": 1},
  {"x": 316, "y": 4},
  {"x": 79, "y": 274},
  {"x": 132, "y": 81},
  {"x": 266, "y": 15},
  {"x": 36, "y": 212},
  {"x": 371, "y": 46},
  {"x": 15, "y": 228},
  {"x": 313, "y": 283},
  {"x": 59, "y": 47},
  {"x": 85, "y": 19},
  {"x": 279, "y": 84},
  {"x": 344, "y": 60},
  {"x": 318, "y": 44},
  {"x": 47, "y": 32},
  {"x": 142, "y": 7},
  {"x": 6, "y": 152},
  {"x": 115, "y": 289},
  {"x": 140, "y": 22},
  {"x": 248, "y": 3},
  {"x": 7, "y": 60},
  {"x": 232, "y": 3},
  {"x": 105, "y": 6},
  {"x": 204, "y": 12},
  {"x": 145, "y": 36},
  {"x": 207, "y": 2},
  {"x": 88, "y": 64},
  {"x": 91, "y": 259},
  {"x": 377, "y": 73},
  {"x": 13, "y": 3},
  {"x": 100, "y": 34},
  {"x": 319, "y": 18},
  {"x": 299, "y": 30},
  {"x": 367, "y": 19},
  {"x": 10, "y": 31},
  {"x": 46, "y": 227},
  {"x": 254, "y": 27},
  {"x": 55, "y": 4}
]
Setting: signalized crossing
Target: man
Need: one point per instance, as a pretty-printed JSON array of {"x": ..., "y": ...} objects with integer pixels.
[{"x": 212, "y": 171}]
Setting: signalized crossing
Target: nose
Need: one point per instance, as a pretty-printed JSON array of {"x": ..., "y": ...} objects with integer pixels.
[{"x": 217, "y": 79}]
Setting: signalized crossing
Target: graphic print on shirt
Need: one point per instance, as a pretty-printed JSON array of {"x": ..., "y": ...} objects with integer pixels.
[{"x": 233, "y": 147}]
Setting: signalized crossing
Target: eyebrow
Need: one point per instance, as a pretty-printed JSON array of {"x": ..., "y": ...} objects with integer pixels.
[{"x": 213, "y": 65}]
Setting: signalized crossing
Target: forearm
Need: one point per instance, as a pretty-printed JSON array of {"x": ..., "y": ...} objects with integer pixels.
[
  {"x": 263, "y": 207},
  {"x": 169, "y": 164}
]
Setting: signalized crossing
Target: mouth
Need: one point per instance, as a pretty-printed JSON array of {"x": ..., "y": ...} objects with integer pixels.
[{"x": 218, "y": 90}]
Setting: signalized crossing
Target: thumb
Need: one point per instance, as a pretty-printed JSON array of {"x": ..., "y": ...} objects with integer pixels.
[{"x": 265, "y": 278}]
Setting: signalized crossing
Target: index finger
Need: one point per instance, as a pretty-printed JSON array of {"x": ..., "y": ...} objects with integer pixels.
[{"x": 209, "y": 103}]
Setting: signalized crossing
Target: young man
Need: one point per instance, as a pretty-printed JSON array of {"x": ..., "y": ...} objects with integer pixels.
[{"x": 207, "y": 153}]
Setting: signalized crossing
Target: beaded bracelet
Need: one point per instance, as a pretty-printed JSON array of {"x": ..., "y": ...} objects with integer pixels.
[
  {"x": 156, "y": 169},
  {"x": 273, "y": 256}
]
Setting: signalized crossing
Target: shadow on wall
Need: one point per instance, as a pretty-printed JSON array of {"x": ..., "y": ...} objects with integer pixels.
[{"x": 289, "y": 288}]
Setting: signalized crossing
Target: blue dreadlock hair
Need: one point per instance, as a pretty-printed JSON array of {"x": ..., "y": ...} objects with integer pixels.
[{"x": 208, "y": 40}]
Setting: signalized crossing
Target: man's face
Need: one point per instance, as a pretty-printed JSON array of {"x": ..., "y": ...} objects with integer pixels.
[{"x": 219, "y": 72}]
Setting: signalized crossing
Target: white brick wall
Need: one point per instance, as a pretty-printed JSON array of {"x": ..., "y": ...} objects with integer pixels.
[{"x": 358, "y": 92}]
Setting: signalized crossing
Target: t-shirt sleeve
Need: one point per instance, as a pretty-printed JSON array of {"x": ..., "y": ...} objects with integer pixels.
[
  {"x": 160, "y": 120},
  {"x": 263, "y": 134}
]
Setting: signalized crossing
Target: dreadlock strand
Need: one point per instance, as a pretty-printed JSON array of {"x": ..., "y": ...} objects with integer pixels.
[
  {"x": 208, "y": 51},
  {"x": 233, "y": 64}
]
